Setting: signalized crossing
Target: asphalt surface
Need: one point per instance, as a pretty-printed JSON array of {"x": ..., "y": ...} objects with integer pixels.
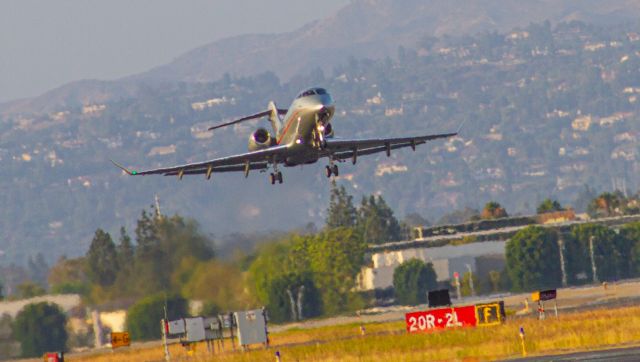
[{"x": 615, "y": 354}]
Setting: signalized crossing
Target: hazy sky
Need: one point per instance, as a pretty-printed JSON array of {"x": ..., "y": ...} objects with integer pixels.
[{"x": 46, "y": 43}]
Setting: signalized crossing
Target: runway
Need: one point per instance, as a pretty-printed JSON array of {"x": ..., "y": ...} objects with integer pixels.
[{"x": 615, "y": 354}]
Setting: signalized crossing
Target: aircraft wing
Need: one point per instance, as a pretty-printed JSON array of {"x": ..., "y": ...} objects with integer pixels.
[
  {"x": 345, "y": 148},
  {"x": 255, "y": 160}
]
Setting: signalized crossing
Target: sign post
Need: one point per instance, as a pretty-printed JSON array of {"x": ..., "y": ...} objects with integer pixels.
[
  {"x": 524, "y": 350},
  {"x": 165, "y": 330},
  {"x": 543, "y": 295}
]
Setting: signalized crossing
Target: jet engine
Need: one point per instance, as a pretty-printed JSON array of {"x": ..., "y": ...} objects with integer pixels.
[{"x": 260, "y": 139}]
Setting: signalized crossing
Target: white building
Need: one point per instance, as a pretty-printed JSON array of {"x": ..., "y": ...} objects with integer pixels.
[{"x": 481, "y": 258}]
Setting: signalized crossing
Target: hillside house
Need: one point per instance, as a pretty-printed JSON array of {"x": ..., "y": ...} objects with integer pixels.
[
  {"x": 162, "y": 150},
  {"x": 581, "y": 123}
]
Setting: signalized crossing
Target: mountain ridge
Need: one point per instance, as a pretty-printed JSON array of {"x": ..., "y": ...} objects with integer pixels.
[{"x": 361, "y": 29}]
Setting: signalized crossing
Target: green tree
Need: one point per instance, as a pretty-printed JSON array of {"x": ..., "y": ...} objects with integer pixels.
[
  {"x": 280, "y": 272},
  {"x": 69, "y": 276},
  {"x": 612, "y": 252},
  {"x": 146, "y": 237},
  {"x": 549, "y": 205},
  {"x": 459, "y": 216},
  {"x": 336, "y": 257},
  {"x": 533, "y": 259},
  {"x": 271, "y": 263},
  {"x": 341, "y": 212},
  {"x": 102, "y": 261},
  {"x": 631, "y": 232},
  {"x": 40, "y": 327},
  {"x": 163, "y": 243},
  {"x": 416, "y": 220},
  {"x": 293, "y": 297},
  {"x": 465, "y": 284},
  {"x": 605, "y": 205},
  {"x": 203, "y": 281},
  {"x": 412, "y": 280},
  {"x": 493, "y": 210},
  {"x": 143, "y": 318},
  {"x": 494, "y": 280},
  {"x": 376, "y": 221},
  {"x": 125, "y": 250},
  {"x": 29, "y": 289}
]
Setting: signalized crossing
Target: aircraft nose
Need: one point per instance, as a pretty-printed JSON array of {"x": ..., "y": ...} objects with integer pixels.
[{"x": 327, "y": 103}]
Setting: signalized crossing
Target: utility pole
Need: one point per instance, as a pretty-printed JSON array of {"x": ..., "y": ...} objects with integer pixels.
[
  {"x": 562, "y": 266},
  {"x": 158, "y": 212},
  {"x": 473, "y": 291},
  {"x": 593, "y": 261},
  {"x": 456, "y": 278}
]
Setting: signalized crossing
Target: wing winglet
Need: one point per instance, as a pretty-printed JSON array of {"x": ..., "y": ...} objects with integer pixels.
[
  {"x": 460, "y": 127},
  {"x": 126, "y": 170}
]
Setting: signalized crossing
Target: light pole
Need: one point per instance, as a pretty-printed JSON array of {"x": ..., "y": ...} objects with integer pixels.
[
  {"x": 562, "y": 266},
  {"x": 594, "y": 270},
  {"x": 473, "y": 291}
]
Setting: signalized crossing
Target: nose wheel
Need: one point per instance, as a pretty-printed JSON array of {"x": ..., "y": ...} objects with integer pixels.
[
  {"x": 275, "y": 176},
  {"x": 332, "y": 170}
]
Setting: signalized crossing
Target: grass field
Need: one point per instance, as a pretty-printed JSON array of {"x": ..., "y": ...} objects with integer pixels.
[{"x": 577, "y": 331}]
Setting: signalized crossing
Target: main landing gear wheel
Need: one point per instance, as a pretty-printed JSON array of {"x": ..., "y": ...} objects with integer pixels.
[
  {"x": 332, "y": 170},
  {"x": 273, "y": 177}
]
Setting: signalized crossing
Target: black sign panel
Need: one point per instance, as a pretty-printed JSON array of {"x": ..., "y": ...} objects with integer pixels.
[
  {"x": 439, "y": 298},
  {"x": 548, "y": 294}
]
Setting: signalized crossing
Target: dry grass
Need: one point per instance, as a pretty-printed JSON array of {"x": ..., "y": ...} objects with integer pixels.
[{"x": 389, "y": 341}]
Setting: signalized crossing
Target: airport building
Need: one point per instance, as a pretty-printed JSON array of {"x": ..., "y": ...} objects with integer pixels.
[{"x": 479, "y": 258}]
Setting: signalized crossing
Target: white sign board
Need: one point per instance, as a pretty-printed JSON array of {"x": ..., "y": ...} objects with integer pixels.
[
  {"x": 252, "y": 328},
  {"x": 195, "y": 329},
  {"x": 176, "y": 327}
]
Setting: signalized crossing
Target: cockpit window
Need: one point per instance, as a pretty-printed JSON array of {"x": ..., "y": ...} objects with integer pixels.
[
  {"x": 307, "y": 93},
  {"x": 312, "y": 91}
]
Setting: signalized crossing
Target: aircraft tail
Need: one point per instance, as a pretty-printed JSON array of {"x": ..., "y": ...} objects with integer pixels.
[{"x": 274, "y": 118}]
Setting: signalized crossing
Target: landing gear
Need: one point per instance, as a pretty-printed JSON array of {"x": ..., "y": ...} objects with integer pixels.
[
  {"x": 332, "y": 170},
  {"x": 277, "y": 176}
]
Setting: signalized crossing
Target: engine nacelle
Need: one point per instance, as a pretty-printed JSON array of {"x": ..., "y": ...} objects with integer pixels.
[
  {"x": 260, "y": 139},
  {"x": 328, "y": 131}
]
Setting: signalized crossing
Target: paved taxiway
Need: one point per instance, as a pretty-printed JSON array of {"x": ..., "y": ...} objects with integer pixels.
[{"x": 615, "y": 354}]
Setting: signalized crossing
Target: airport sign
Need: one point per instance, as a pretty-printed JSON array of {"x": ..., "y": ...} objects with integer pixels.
[{"x": 120, "y": 339}]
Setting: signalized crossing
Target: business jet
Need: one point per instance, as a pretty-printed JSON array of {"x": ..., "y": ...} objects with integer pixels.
[{"x": 301, "y": 134}]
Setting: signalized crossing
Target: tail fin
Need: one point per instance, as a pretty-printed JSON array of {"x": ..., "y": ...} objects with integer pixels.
[{"x": 274, "y": 117}]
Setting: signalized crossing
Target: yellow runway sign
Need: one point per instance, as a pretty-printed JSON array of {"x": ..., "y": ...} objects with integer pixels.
[
  {"x": 488, "y": 314},
  {"x": 120, "y": 339}
]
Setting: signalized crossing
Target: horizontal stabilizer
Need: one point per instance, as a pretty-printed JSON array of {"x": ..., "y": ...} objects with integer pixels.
[{"x": 247, "y": 118}]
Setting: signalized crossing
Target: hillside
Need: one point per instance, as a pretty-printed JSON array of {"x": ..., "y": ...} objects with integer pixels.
[
  {"x": 374, "y": 29},
  {"x": 547, "y": 110},
  {"x": 362, "y": 29}
]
